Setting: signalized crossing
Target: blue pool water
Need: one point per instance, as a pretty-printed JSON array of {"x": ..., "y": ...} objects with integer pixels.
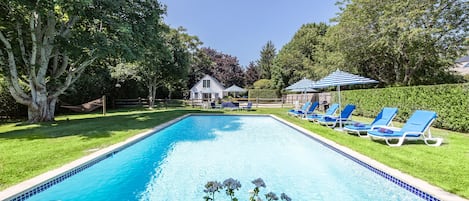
[{"x": 176, "y": 162}]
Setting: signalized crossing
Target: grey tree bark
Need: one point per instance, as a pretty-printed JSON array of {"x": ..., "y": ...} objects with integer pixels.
[{"x": 41, "y": 62}]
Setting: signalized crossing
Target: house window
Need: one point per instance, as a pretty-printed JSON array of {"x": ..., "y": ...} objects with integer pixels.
[{"x": 206, "y": 83}]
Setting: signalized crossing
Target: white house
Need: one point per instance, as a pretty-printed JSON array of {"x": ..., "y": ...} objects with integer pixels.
[{"x": 208, "y": 88}]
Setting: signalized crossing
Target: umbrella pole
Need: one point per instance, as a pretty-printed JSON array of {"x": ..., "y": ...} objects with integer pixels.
[{"x": 340, "y": 108}]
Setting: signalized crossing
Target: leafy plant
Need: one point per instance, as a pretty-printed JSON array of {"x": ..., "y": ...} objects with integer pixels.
[{"x": 233, "y": 185}]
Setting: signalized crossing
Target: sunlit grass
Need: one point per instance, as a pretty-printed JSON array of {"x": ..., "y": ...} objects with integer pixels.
[{"x": 29, "y": 150}]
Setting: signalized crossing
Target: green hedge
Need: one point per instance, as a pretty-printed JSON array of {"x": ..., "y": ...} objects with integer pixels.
[
  {"x": 450, "y": 101},
  {"x": 262, "y": 93}
]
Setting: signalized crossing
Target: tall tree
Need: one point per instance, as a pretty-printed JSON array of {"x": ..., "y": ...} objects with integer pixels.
[
  {"x": 299, "y": 57},
  {"x": 225, "y": 68},
  {"x": 252, "y": 74},
  {"x": 48, "y": 44},
  {"x": 201, "y": 64},
  {"x": 266, "y": 61},
  {"x": 164, "y": 65},
  {"x": 400, "y": 42}
]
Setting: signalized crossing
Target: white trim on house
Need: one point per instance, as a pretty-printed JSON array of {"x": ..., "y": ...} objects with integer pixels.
[{"x": 207, "y": 88}]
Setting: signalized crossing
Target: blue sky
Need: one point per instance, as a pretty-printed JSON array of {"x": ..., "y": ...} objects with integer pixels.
[{"x": 241, "y": 27}]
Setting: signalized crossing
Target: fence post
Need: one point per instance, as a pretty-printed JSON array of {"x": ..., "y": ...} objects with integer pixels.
[
  {"x": 104, "y": 104},
  {"x": 281, "y": 99},
  {"x": 257, "y": 102}
]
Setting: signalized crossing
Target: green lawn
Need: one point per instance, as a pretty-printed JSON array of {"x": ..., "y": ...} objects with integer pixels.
[{"x": 29, "y": 150}]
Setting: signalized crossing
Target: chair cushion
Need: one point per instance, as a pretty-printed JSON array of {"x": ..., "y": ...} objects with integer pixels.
[
  {"x": 385, "y": 130},
  {"x": 327, "y": 118},
  {"x": 358, "y": 124}
]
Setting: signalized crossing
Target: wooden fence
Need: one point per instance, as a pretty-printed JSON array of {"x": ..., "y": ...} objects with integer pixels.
[
  {"x": 256, "y": 102},
  {"x": 143, "y": 102},
  {"x": 284, "y": 102}
]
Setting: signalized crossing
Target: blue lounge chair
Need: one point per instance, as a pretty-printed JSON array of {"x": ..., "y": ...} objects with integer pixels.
[
  {"x": 248, "y": 106},
  {"x": 417, "y": 127},
  {"x": 309, "y": 111},
  {"x": 384, "y": 118},
  {"x": 301, "y": 110},
  {"x": 230, "y": 105},
  {"x": 329, "y": 112},
  {"x": 333, "y": 121}
]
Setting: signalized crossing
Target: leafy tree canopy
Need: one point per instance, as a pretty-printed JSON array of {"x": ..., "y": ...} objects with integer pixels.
[
  {"x": 225, "y": 68},
  {"x": 398, "y": 42},
  {"x": 48, "y": 44},
  {"x": 298, "y": 58}
]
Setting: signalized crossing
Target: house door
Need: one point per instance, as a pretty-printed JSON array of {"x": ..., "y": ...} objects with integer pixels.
[{"x": 206, "y": 96}]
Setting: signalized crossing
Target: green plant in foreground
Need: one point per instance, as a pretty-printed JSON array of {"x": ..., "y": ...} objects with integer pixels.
[{"x": 233, "y": 185}]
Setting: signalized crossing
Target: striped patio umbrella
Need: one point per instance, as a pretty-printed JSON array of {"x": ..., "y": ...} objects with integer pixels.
[
  {"x": 303, "y": 86},
  {"x": 341, "y": 78}
]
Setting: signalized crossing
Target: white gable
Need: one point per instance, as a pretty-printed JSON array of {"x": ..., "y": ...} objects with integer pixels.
[{"x": 208, "y": 86}]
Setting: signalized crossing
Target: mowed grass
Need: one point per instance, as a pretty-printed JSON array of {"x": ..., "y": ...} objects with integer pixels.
[{"x": 29, "y": 150}]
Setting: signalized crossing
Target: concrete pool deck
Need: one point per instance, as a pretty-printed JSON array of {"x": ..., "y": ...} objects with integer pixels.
[{"x": 24, "y": 189}]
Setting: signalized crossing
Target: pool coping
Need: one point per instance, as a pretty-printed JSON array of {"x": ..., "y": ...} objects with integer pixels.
[{"x": 22, "y": 190}]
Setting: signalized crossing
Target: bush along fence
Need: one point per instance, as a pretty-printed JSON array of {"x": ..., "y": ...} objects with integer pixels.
[
  {"x": 263, "y": 93},
  {"x": 450, "y": 101}
]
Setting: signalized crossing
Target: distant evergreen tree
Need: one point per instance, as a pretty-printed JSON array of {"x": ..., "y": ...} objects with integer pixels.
[{"x": 268, "y": 54}]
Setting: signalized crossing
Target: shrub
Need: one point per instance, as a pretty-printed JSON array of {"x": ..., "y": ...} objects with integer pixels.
[
  {"x": 263, "y": 84},
  {"x": 450, "y": 101},
  {"x": 262, "y": 93}
]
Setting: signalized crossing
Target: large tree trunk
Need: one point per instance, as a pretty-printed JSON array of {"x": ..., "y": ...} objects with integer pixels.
[
  {"x": 42, "y": 110},
  {"x": 39, "y": 72},
  {"x": 151, "y": 95}
]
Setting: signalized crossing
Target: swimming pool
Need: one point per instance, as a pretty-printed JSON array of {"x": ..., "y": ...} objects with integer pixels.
[{"x": 176, "y": 162}]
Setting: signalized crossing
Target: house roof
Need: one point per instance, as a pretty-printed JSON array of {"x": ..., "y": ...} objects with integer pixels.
[
  {"x": 208, "y": 77},
  {"x": 463, "y": 59},
  {"x": 234, "y": 88}
]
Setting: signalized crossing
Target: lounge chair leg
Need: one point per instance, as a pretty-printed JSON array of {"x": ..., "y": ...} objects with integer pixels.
[
  {"x": 399, "y": 142},
  {"x": 438, "y": 141},
  {"x": 360, "y": 135}
]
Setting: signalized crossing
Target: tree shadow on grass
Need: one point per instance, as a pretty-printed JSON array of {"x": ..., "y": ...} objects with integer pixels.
[{"x": 99, "y": 126}]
